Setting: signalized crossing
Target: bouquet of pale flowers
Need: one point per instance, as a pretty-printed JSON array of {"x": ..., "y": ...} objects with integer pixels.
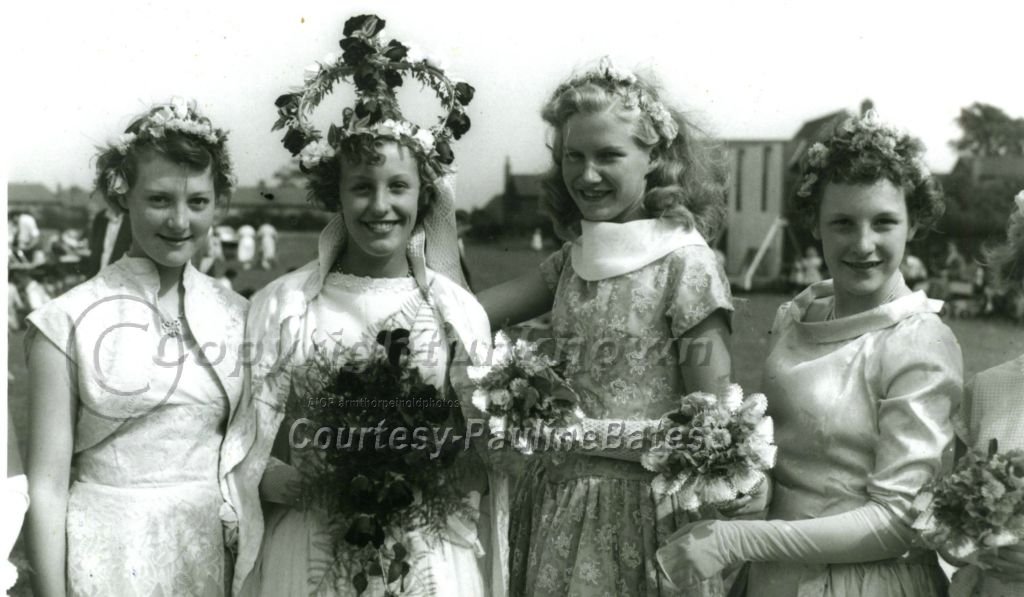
[
  {"x": 977, "y": 507},
  {"x": 713, "y": 450},
  {"x": 521, "y": 391}
]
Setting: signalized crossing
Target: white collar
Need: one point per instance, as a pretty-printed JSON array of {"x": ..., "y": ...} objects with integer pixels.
[{"x": 607, "y": 249}]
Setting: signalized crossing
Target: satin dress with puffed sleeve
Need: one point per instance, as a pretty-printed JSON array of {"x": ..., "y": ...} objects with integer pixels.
[{"x": 862, "y": 408}]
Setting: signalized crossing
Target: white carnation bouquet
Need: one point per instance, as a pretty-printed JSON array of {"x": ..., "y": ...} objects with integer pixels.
[{"x": 713, "y": 450}]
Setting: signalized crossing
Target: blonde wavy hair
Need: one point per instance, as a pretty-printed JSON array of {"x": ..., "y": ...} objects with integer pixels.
[{"x": 688, "y": 183}]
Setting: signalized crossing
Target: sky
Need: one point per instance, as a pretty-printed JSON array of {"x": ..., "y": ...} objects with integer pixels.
[{"x": 78, "y": 71}]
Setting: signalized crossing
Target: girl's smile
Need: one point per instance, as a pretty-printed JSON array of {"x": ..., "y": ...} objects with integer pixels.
[
  {"x": 864, "y": 229},
  {"x": 604, "y": 167}
]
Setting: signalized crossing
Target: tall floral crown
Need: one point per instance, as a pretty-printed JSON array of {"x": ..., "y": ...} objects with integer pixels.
[
  {"x": 868, "y": 134},
  {"x": 376, "y": 69},
  {"x": 633, "y": 94},
  {"x": 180, "y": 116}
]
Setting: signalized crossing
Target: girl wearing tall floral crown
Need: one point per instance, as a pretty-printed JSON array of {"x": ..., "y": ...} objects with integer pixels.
[
  {"x": 993, "y": 408},
  {"x": 133, "y": 378},
  {"x": 387, "y": 260},
  {"x": 861, "y": 378},
  {"x": 640, "y": 314}
]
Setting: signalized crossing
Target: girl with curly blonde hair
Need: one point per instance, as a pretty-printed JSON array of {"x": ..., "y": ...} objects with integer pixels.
[{"x": 640, "y": 314}]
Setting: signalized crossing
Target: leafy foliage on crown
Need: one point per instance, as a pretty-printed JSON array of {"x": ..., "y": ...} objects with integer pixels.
[{"x": 376, "y": 69}]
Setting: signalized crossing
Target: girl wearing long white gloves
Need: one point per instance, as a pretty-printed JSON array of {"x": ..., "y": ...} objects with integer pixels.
[{"x": 861, "y": 380}]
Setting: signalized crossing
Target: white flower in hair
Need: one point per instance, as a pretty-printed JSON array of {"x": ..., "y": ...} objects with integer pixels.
[
  {"x": 425, "y": 139},
  {"x": 116, "y": 184},
  {"x": 316, "y": 152},
  {"x": 310, "y": 73},
  {"x": 817, "y": 155},
  {"x": 180, "y": 107},
  {"x": 123, "y": 142},
  {"x": 614, "y": 73}
]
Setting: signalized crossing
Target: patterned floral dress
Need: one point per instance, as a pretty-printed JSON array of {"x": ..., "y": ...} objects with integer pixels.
[{"x": 587, "y": 525}]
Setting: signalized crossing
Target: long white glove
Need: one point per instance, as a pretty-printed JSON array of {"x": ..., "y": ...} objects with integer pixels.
[{"x": 702, "y": 549}]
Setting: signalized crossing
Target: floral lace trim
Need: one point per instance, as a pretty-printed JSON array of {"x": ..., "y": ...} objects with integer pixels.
[{"x": 355, "y": 283}]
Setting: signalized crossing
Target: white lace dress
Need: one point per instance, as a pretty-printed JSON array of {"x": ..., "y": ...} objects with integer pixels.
[
  {"x": 144, "y": 504},
  {"x": 351, "y": 310}
]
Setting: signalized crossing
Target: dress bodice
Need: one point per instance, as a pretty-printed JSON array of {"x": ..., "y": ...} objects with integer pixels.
[
  {"x": 178, "y": 436},
  {"x": 618, "y": 336},
  {"x": 351, "y": 310},
  {"x": 859, "y": 416}
]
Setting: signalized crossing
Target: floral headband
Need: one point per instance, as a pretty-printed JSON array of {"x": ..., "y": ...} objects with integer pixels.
[
  {"x": 867, "y": 133},
  {"x": 634, "y": 96},
  {"x": 376, "y": 69},
  {"x": 179, "y": 115}
]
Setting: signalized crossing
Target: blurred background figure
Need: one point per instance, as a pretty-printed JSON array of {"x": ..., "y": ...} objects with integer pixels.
[
  {"x": 34, "y": 293},
  {"x": 210, "y": 256},
  {"x": 23, "y": 240},
  {"x": 806, "y": 269},
  {"x": 267, "y": 235},
  {"x": 15, "y": 305},
  {"x": 108, "y": 241},
  {"x": 226, "y": 278},
  {"x": 69, "y": 246},
  {"x": 955, "y": 264},
  {"x": 811, "y": 266},
  {"x": 246, "y": 246},
  {"x": 914, "y": 272},
  {"x": 537, "y": 242}
]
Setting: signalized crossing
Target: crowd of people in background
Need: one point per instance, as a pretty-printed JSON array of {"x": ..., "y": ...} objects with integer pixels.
[
  {"x": 962, "y": 282},
  {"x": 43, "y": 265}
]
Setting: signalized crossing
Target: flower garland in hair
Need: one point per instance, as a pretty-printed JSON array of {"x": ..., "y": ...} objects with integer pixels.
[
  {"x": 376, "y": 69},
  {"x": 860, "y": 135},
  {"x": 626, "y": 85},
  {"x": 180, "y": 115}
]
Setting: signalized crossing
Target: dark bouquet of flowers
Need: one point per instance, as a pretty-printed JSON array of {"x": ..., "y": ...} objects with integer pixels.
[
  {"x": 977, "y": 507},
  {"x": 380, "y": 446},
  {"x": 714, "y": 449},
  {"x": 523, "y": 393}
]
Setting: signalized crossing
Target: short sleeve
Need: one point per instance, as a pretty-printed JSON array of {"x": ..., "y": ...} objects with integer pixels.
[
  {"x": 53, "y": 322},
  {"x": 920, "y": 390},
  {"x": 551, "y": 268},
  {"x": 697, "y": 288},
  {"x": 962, "y": 416}
]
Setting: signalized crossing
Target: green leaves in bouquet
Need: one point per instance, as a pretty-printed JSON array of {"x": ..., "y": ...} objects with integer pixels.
[{"x": 372, "y": 487}]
